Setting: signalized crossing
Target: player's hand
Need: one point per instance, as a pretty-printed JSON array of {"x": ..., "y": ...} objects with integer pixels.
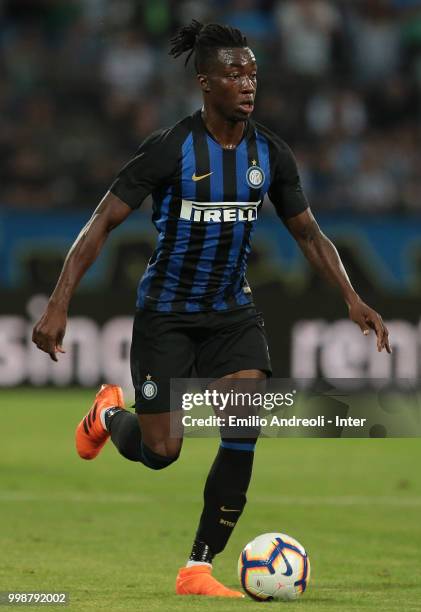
[
  {"x": 367, "y": 319},
  {"x": 49, "y": 332}
]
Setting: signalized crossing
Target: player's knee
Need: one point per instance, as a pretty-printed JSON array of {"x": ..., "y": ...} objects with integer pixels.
[
  {"x": 158, "y": 456},
  {"x": 167, "y": 447}
]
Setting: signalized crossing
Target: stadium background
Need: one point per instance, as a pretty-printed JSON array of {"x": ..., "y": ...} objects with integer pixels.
[{"x": 83, "y": 82}]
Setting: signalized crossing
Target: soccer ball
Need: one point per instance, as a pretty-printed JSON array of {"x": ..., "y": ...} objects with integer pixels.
[{"x": 274, "y": 566}]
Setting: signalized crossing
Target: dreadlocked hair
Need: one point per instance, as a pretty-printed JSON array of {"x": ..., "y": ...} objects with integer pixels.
[{"x": 203, "y": 40}]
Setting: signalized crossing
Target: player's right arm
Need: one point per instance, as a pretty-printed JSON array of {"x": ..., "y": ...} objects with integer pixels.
[
  {"x": 49, "y": 332},
  {"x": 153, "y": 164}
]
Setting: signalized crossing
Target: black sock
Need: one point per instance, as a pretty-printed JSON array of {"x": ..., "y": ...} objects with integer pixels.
[
  {"x": 127, "y": 437},
  {"x": 125, "y": 434},
  {"x": 153, "y": 460},
  {"x": 201, "y": 552},
  {"x": 224, "y": 496}
]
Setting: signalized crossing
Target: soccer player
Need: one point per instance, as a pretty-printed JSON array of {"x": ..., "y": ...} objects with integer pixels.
[{"x": 208, "y": 175}]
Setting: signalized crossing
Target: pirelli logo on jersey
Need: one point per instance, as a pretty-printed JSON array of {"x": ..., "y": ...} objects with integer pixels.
[{"x": 218, "y": 212}]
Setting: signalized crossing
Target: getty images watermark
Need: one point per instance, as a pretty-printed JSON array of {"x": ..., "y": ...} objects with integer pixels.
[
  {"x": 221, "y": 400},
  {"x": 243, "y": 408},
  {"x": 228, "y": 403}
]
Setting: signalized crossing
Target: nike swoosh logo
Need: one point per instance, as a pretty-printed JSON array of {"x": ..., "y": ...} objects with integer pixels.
[
  {"x": 288, "y": 564},
  {"x": 199, "y": 178},
  {"x": 228, "y": 509}
]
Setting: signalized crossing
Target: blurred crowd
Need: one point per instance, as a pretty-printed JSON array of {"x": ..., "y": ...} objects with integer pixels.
[{"x": 84, "y": 81}]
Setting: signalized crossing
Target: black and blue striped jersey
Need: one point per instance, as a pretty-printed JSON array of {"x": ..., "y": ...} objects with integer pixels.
[{"x": 205, "y": 204}]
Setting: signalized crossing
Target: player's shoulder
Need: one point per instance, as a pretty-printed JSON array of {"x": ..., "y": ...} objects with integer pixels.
[
  {"x": 275, "y": 141},
  {"x": 169, "y": 136}
]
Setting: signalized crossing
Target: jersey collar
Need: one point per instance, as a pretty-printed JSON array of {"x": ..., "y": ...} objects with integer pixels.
[{"x": 200, "y": 124}]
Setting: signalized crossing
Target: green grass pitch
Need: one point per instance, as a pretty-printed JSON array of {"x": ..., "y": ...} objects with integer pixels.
[{"x": 113, "y": 534}]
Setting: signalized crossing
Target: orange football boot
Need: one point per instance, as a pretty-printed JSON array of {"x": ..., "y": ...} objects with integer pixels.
[
  {"x": 91, "y": 434},
  {"x": 197, "y": 580}
]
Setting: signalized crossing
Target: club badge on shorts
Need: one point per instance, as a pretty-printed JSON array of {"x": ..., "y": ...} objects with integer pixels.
[
  {"x": 149, "y": 388},
  {"x": 255, "y": 176}
]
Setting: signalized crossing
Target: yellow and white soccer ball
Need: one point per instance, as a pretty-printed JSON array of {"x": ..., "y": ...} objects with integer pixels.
[{"x": 274, "y": 566}]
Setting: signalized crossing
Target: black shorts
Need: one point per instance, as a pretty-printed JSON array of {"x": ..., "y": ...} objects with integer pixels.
[{"x": 185, "y": 345}]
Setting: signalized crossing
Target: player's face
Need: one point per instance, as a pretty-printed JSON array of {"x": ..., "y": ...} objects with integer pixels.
[{"x": 231, "y": 82}]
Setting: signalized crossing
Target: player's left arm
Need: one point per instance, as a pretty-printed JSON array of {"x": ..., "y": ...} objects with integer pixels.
[{"x": 324, "y": 257}]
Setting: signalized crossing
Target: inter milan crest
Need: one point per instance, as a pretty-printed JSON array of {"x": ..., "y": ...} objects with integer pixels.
[
  {"x": 255, "y": 176},
  {"x": 149, "y": 388}
]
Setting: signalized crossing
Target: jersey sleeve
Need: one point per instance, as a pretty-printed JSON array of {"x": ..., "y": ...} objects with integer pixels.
[
  {"x": 285, "y": 191},
  {"x": 149, "y": 169}
]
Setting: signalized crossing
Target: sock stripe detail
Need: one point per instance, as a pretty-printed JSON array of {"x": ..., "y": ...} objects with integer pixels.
[
  {"x": 89, "y": 419},
  {"x": 94, "y": 413},
  {"x": 246, "y": 446}
]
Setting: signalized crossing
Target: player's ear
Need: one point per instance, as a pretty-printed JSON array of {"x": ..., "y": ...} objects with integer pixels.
[{"x": 203, "y": 82}]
